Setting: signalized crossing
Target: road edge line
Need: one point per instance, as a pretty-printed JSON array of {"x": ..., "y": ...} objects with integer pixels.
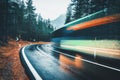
[{"x": 34, "y": 72}]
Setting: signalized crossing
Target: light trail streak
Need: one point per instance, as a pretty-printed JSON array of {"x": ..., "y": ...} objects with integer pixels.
[
  {"x": 85, "y": 60},
  {"x": 96, "y": 22}
]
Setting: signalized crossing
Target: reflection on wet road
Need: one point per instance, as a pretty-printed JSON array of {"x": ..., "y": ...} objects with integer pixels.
[
  {"x": 57, "y": 64},
  {"x": 75, "y": 63}
]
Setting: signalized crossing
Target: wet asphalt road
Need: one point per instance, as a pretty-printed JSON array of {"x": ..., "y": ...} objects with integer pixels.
[{"x": 47, "y": 63}]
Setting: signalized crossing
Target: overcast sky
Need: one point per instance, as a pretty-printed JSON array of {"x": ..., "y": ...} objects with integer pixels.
[{"x": 51, "y": 8}]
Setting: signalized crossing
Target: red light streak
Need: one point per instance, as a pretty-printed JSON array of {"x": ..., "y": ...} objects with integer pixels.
[{"x": 96, "y": 22}]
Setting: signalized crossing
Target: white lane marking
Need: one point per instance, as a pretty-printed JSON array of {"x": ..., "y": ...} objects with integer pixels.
[
  {"x": 95, "y": 53},
  {"x": 42, "y": 52},
  {"x": 34, "y": 72},
  {"x": 88, "y": 61}
]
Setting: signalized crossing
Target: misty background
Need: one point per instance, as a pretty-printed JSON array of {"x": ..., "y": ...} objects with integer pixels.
[{"x": 21, "y": 18}]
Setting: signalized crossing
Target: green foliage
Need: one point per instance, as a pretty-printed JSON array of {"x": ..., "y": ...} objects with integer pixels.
[
  {"x": 44, "y": 28},
  {"x": 8, "y": 20},
  {"x": 81, "y": 8},
  {"x": 35, "y": 27},
  {"x": 20, "y": 20}
]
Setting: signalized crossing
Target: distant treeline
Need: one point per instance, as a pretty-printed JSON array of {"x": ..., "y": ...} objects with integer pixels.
[
  {"x": 81, "y": 8},
  {"x": 19, "y": 20}
]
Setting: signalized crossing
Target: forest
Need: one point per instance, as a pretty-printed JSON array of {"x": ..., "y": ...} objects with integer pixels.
[
  {"x": 18, "y": 20},
  {"x": 80, "y": 8}
]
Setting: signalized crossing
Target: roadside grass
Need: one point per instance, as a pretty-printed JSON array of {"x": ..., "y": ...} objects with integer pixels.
[{"x": 10, "y": 64}]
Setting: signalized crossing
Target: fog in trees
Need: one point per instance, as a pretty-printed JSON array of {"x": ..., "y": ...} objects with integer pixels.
[{"x": 19, "y": 20}]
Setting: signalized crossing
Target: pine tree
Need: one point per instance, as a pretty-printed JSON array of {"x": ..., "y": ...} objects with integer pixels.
[
  {"x": 30, "y": 19},
  {"x": 97, "y": 5},
  {"x": 68, "y": 15},
  {"x": 3, "y": 21},
  {"x": 13, "y": 19},
  {"x": 113, "y": 6},
  {"x": 40, "y": 23},
  {"x": 81, "y": 8}
]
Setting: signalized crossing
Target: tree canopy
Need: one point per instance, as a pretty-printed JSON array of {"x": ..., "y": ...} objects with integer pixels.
[{"x": 18, "y": 19}]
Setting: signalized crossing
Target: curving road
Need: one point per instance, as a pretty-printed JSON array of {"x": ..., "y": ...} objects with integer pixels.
[{"x": 43, "y": 62}]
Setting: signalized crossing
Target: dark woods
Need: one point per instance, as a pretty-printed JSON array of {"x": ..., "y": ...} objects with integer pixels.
[
  {"x": 18, "y": 20},
  {"x": 81, "y": 8}
]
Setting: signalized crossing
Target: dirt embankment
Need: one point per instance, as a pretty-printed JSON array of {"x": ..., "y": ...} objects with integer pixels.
[{"x": 10, "y": 65}]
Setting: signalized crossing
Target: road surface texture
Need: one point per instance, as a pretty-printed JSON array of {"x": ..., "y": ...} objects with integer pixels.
[{"x": 43, "y": 62}]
